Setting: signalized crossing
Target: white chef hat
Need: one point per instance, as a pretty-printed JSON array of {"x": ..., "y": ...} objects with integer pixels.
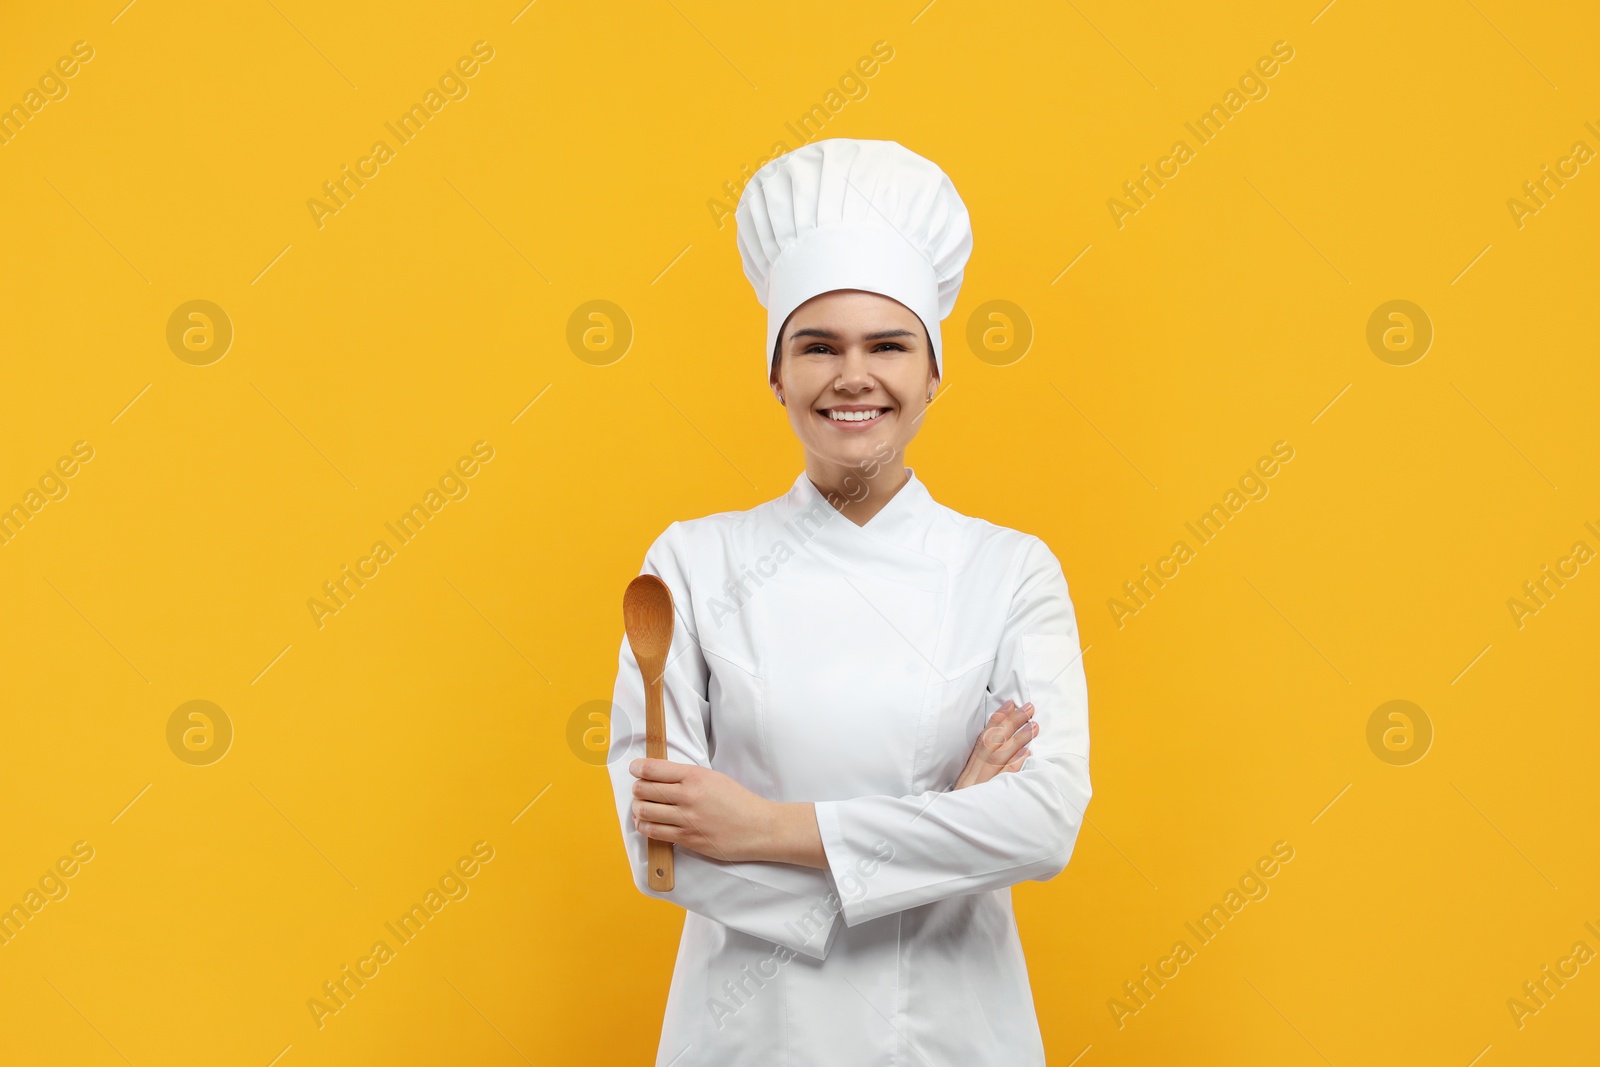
[{"x": 844, "y": 213}]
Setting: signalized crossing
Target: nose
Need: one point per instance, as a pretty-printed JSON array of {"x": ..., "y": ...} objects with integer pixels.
[{"x": 855, "y": 372}]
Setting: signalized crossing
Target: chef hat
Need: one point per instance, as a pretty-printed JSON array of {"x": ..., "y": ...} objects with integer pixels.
[{"x": 843, "y": 213}]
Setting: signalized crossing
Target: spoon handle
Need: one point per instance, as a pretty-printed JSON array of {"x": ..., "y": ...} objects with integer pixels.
[{"x": 655, "y": 747}]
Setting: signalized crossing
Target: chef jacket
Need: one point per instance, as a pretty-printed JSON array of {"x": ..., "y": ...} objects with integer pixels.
[{"x": 854, "y": 666}]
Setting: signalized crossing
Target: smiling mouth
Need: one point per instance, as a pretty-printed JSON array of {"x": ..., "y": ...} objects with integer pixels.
[{"x": 853, "y": 418}]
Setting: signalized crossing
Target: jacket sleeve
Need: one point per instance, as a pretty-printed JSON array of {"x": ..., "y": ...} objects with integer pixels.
[
  {"x": 785, "y": 903},
  {"x": 1017, "y": 826}
]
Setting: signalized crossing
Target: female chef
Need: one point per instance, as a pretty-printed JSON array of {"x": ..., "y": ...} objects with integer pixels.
[{"x": 856, "y": 679}]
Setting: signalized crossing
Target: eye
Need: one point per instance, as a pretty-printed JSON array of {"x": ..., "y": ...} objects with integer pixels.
[
  {"x": 814, "y": 347},
  {"x": 895, "y": 345}
]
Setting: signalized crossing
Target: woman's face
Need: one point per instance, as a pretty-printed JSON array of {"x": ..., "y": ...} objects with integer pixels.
[{"x": 858, "y": 355}]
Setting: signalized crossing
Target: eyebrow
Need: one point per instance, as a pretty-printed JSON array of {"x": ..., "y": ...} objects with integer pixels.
[{"x": 829, "y": 335}]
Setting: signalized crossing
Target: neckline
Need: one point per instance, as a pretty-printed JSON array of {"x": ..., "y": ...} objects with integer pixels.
[{"x": 895, "y": 522}]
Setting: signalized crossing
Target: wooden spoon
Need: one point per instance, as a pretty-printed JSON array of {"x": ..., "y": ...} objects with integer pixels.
[{"x": 647, "y": 616}]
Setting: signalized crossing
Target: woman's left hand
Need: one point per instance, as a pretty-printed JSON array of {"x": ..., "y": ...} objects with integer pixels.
[{"x": 700, "y": 809}]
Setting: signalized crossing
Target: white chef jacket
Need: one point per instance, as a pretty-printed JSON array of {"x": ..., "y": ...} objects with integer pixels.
[{"x": 813, "y": 659}]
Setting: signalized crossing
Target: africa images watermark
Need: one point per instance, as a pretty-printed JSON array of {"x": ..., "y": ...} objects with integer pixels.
[
  {"x": 1541, "y": 190},
  {"x": 852, "y": 87},
  {"x": 1252, "y": 486},
  {"x": 1537, "y": 993},
  {"x": 52, "y": 887},
  {"x": 52, "y": 87},
  {"x": 1252, "y": 887},
  {"x": 1252, "y": 86},
  {"x": 804, "y": 527},
  {"x": 452, "y": 85},
  {"x": 1539, "y": 591},
  {"x": 452, "y": 486},
  {"x": 742, "y": 991},
  {"x": 52, "y": 487},
  {"x": 339, "y": 991}
]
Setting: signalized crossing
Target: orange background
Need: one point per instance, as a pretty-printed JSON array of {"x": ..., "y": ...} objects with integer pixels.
[{"x": 432, "y": 711}]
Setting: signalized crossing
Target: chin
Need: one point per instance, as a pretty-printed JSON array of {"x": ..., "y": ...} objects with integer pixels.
[{"x": 860, "y": 449}]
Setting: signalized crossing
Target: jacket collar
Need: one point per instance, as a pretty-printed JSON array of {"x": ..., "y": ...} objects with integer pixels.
[{"x": 901, "y": 523}]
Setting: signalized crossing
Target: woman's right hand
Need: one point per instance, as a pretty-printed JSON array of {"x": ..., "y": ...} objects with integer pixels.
[{"x": 1002, "y": 746}]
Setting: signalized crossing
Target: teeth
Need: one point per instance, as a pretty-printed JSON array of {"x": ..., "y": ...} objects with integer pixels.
[{"x": 855, "y": 416}]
